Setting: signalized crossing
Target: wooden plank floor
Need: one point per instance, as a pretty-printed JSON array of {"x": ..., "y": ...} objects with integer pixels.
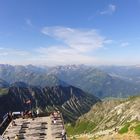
[{"x": 41, "y": 128}]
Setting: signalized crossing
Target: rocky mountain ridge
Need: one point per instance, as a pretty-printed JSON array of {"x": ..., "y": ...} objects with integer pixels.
[{"x": 72, "y": 101}]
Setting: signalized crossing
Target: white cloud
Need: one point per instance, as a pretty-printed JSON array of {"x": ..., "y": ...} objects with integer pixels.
[
  {"x": 76, "y": 47},
  {"x": 59, "y": 55},
  {"x": 109, "y": 41},
  {"x": 14, "y": 56},
  {"x": 77, "y": 39},
  {"x": 125, "y": 44},
  {"x": 109, "y": 10}
]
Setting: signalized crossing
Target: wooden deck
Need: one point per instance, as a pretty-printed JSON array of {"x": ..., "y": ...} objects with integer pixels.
[{"x": 40, "y": 128}]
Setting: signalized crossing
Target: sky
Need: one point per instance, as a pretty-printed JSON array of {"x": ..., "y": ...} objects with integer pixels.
[{"x": 63, "y": 32}]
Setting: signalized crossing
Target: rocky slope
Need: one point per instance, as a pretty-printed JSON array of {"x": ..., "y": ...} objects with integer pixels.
[
  {"x": 109, "y": 118},
  {"x": 72, "y": 101}
]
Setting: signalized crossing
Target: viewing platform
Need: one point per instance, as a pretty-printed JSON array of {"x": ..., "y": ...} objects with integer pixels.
[{"x": 38, "y": 128}]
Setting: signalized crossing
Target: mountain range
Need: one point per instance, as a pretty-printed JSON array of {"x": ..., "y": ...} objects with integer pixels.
[
  {"x": 103, "y": 81},
  {"x": 128, "y": 73},
  {"x": 97, "y": 81}
]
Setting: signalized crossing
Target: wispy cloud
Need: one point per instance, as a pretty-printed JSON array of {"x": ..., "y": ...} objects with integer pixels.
[
  {"x": 109, "y": 41},
  {"x": 8, "y": 52},
  {"x": 72, "y": 46},
  {"x": 78, "y": 39},
  {"x": 59, "y": 55},
  {"x": 14, "y": 56},
  {"x": 76, "y": 48},
  {"x": 109, "y": 10},
  {"x": 125, "y": 44}
]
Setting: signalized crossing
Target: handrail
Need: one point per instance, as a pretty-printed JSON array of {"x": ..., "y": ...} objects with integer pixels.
[{"x": 4, "y": 123}]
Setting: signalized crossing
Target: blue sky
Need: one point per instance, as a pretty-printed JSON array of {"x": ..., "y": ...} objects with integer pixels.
[{"x": 59, "y": 32}]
